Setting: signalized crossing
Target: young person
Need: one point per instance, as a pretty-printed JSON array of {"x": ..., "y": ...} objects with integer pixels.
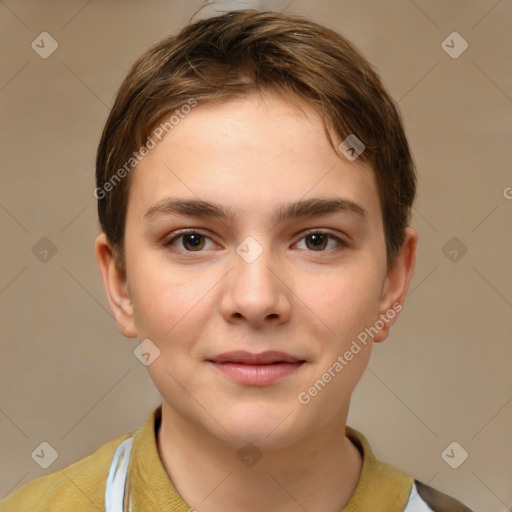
[{"x": 254, "y": 189}]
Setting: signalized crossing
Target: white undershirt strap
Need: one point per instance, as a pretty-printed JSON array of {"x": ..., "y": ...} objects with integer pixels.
[{"x": 116, "y": 480}]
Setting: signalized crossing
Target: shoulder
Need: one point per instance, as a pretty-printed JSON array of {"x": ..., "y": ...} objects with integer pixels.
[
  {"x": 382, "y": 486},
  {"x": 79, "y": 487},
  {"x": 424, "y": 498}
]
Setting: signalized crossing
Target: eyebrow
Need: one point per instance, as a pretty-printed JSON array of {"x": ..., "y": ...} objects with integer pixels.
[{"x": 299, "y": 209}]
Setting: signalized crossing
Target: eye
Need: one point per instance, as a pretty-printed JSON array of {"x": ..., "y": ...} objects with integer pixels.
[
  {"x": 192, "y": 240},
  {"x": 318, "y": 240}
]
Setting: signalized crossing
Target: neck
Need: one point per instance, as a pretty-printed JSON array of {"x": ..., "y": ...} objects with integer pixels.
[{"x": 318, "y": 472}]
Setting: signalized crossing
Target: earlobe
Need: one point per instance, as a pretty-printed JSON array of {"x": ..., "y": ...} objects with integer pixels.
[
  {"x": 116, "y": 286},
  {"x": 397, "y": 283}
]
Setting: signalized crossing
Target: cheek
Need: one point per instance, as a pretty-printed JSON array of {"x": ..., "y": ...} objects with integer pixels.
[
  {"x": 347, "y": 302},
  {"x": 160, "y": 303},
  {"x": 170, "y": 304}
]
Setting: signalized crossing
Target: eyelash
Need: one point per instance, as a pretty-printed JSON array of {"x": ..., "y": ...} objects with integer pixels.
[{"x": 342, "y": 244}]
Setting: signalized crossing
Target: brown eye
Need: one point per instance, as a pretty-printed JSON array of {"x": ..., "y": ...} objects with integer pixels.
[
  {"x": 193, "y": 241},
  {"x": 190, "y": 241},
  {"x": 318, "y": 241}
]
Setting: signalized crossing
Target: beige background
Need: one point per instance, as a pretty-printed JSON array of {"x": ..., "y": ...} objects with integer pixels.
[{"x": 69, "y": 378}]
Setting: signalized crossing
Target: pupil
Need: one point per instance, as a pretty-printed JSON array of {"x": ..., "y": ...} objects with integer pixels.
[
  {"x": 317, "y": 240},
  {"x": 193, "y": 240}
]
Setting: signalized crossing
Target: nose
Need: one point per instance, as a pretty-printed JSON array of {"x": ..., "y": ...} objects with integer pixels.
[{"x": 256, "y": 290}]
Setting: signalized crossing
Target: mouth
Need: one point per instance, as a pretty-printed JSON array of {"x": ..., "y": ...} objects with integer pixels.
[{"x": 257, "y": 369}]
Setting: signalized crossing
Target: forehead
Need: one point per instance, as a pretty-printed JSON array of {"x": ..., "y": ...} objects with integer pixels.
[{"x": 251, "y": 153}]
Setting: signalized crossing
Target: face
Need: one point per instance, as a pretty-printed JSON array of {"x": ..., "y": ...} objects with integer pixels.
[{"x": 257, "y": 275}]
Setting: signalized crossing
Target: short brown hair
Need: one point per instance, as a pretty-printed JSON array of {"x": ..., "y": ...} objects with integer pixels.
[{"x": 256, "y": 51}]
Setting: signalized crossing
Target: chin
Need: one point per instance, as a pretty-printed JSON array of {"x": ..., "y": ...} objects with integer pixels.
[{"x": 269, "y": 429}]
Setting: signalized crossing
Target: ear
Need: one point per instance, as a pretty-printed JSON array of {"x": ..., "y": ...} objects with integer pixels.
[
  {"x": 116, "y": 287},
  {"x": 397, "y": 283}
]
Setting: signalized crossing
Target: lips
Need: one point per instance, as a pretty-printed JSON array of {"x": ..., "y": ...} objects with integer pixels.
[
  {"x": 257, "y": 369},
  {"x": 269, "y": 357}
]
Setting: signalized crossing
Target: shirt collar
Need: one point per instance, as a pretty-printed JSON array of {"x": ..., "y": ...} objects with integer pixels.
[{"x": 380, "y": 487}]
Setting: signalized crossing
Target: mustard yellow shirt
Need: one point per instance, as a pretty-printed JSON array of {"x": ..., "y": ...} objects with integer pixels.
[{"x": 80, "y": 487}]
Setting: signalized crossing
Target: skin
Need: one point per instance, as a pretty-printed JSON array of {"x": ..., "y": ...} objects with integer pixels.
[{"x": 252, "y": 154}]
